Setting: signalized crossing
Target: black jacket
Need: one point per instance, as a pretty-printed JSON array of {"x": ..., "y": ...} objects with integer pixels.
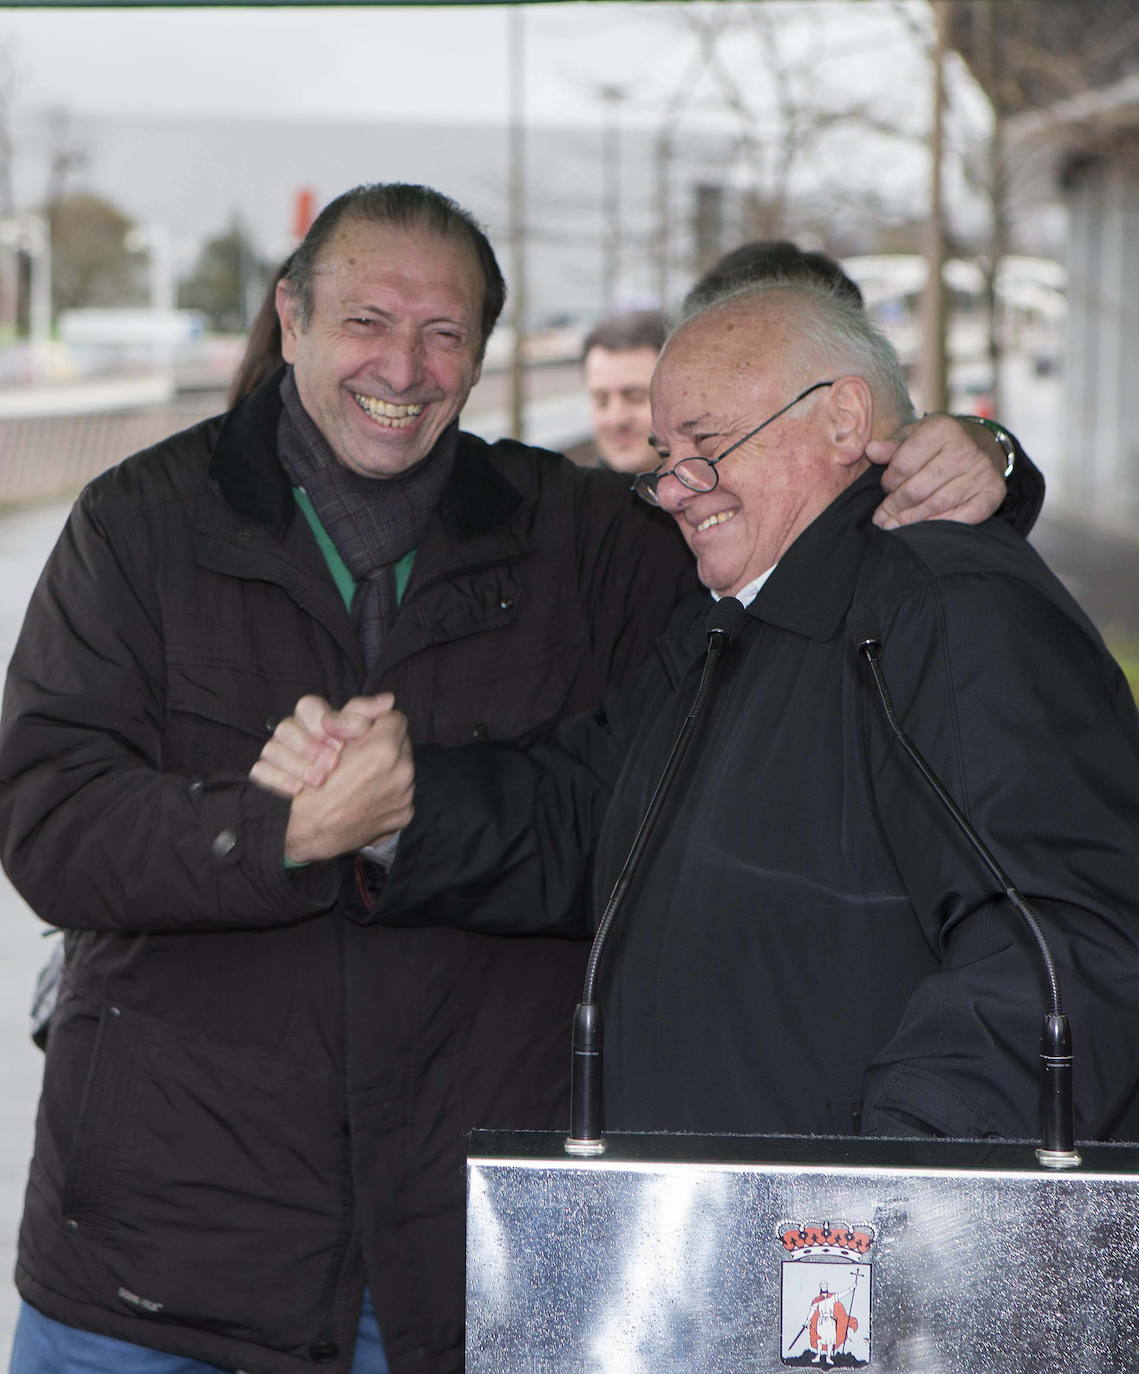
[
  {"x": 810, "y": 945},
  {"x": 251, "y": 1095}
]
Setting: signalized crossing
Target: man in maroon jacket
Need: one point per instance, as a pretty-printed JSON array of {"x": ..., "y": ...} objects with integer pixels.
[{"x": 255, "y": 1098}]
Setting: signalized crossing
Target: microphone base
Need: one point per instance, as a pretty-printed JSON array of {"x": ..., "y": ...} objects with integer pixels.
[
  {"x": 585, "y": 1149},
  {"x": 1058, "y": 1159}
]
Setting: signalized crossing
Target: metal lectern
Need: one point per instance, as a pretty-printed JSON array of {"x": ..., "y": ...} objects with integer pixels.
[{"x": 672, "y": 1254}]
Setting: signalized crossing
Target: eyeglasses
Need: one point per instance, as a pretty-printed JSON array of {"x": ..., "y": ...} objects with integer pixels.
[{"x": 699, "y": 474}]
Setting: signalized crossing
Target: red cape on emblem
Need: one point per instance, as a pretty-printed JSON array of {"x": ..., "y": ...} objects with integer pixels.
[{"x": 842, "y": 1320}]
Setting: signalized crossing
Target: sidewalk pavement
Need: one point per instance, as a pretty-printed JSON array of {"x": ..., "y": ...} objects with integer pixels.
[{"x": 1100, "y": 569}]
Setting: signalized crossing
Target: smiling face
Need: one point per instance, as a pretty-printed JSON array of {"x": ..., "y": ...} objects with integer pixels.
[
  {"x": 722, "y": 374},
  {"x": 617, "y": 381},
  {"x": 392, "y": 346}
]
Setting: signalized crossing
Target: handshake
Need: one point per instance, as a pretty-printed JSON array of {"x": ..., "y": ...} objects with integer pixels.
[{"x": 349, "y": 774}]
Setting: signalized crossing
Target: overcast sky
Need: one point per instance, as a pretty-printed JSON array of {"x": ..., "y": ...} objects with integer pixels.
[
  {"x": 162, "y": 75},
  {"x": 426, "y": 61}
]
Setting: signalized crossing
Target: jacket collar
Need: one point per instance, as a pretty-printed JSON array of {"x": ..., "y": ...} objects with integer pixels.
[
  {"x": 811, "y": 589},
  {"x": 813, "y": 584},
  {"x": 251, "y": 479},
  {"x": 478, "y": 500},
  {"x": 245, "y": 465}
]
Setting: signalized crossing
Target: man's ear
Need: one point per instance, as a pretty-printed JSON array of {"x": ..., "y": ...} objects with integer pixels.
[
  {"x": 850, "y": 418},
  {"x": 288, "y": 312}
]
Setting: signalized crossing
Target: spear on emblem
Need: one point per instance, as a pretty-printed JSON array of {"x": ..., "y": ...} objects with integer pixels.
[{"x": 850, "y": 1324}]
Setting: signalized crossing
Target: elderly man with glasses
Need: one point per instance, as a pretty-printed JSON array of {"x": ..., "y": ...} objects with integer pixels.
[{"x": 809, "y": 945}]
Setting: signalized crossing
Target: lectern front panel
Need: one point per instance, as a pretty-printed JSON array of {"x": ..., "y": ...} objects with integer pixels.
[{"x": 722, "y": 1255}]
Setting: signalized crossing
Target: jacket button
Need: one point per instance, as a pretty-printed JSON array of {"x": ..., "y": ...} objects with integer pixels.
[
  {"x": 480, "y": 732},
  {"x": 245, "y": 535},
  {"x": 271, "y": 723},
  {"x": 225, "y": 842},
  {"x": 195, "y": 787},
  {"x": 506, "y": 603},
  {"x": 321, "y": 1351}
]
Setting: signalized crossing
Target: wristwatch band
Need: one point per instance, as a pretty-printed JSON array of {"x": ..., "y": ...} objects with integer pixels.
[{"x": 1005, "y": 442}]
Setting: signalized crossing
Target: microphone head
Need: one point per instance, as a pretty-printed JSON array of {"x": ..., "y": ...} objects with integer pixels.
[
  {"x": 725, "y": 618},
  {"x": 862, "y": 627}
]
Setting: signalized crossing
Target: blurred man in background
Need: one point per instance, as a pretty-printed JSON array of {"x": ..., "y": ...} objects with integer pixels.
[{"x": 617, "y": 362}]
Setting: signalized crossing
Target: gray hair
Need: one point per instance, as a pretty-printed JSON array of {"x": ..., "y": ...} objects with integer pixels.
[{"x": 832, "y": 337}]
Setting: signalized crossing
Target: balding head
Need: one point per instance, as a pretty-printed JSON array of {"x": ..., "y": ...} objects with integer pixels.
[
  {"x": 818, "y": 332},
  {"x": 742, "y": 362}
]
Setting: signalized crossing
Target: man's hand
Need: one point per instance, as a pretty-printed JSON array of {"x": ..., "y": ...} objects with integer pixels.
[
  {"x": 349, "y": 774},
  {"x": 367, "y": 796},
  {"x": 939, "y": 469},
  {"x": 305, "y": 746}
]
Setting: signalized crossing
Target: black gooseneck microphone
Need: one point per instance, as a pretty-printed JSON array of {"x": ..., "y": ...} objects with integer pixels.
[
  {"x": 586, "y": 1135},
  {"x": 1057, "y": 1106}
]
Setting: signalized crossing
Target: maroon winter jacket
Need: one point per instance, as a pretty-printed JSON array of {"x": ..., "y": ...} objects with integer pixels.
[{"x": 253, "y": 1096}]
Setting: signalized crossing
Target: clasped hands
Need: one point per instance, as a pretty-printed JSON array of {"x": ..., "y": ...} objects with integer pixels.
[{"x": 349, "y": 774}]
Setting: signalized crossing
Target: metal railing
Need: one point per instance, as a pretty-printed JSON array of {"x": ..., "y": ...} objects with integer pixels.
[{"x": 48, "y": 456}]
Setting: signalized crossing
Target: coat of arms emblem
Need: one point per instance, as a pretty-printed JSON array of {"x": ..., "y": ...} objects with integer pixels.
[{"x": 825, "y": 1298}]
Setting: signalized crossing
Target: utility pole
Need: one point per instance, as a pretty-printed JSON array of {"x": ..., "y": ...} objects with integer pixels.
[
  {"x": 998, "y": 220},
  {"x": 665, "y": 150},
  {"x": 663, "y": 162},
  {"x": 932, "y": 371},
  {"x": 38, "y": 240},
  {"x": 611, "y": 240},
  {"x": 516, "y": 156}
]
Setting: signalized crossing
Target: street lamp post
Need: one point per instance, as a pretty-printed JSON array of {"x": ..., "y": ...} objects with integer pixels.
[
  {"x": 30, "y": 233},
  {"x": 664, "y": 215},
  {"x": 517, "y": 215},
  {"x": 154, "y": 241},
  {"x": 932, "y": 368},
  {"x": 611, "y": 239}
]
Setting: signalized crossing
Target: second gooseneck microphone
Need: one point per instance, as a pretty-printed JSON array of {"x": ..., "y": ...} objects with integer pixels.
[{"x": 1057, "y": 1105}]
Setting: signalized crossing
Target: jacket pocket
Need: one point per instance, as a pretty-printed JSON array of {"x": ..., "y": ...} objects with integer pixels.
[
  {"x": 486, "y": 690},
  {"x": 209, "y": 1181},
  {"x": 99, "y": 1163},
  {"x": 219, "y": 717}
]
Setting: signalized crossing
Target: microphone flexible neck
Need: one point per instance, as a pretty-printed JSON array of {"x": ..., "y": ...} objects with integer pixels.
[
  {"x": 1057, "y": 1101},
  {"x": 586, "y": 1103}
]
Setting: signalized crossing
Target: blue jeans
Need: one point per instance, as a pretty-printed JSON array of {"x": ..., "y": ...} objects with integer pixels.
[{"x": 43, "y": 1346}]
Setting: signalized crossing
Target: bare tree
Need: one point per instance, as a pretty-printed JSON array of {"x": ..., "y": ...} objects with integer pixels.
[
  {"x": 9, "y": 261},
  {"x": 749, "y": 63},
  {"x": 783, "y": 119},
  {"x": 68, "y": 153},
  {"x": 1030, "y": 57}
]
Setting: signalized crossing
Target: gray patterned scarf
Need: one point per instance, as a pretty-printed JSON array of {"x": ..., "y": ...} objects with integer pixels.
[{"x": 372, "y": 521}]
